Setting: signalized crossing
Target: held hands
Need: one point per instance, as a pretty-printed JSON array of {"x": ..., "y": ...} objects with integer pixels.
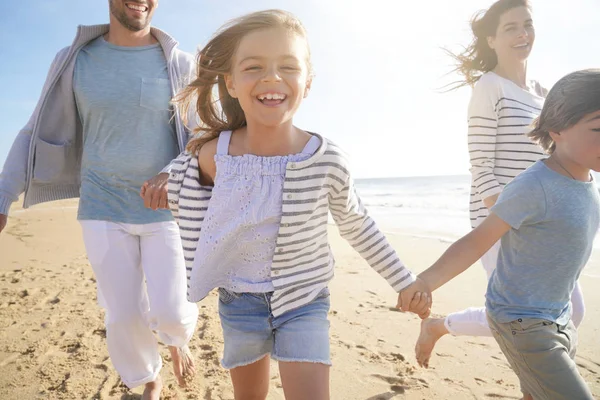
[
  {"x": 416, "y": 298},
  {"x": 155, "y": 192}
]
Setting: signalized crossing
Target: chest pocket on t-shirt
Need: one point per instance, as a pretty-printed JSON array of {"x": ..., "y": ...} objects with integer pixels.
[{"x": 155, "y": 94}]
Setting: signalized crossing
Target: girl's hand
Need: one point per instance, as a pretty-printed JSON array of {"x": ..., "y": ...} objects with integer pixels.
[
  {"x": 419, "y": 302},
  {"x": 155, "y": 192},
  {"x": 416, "y": 298}
]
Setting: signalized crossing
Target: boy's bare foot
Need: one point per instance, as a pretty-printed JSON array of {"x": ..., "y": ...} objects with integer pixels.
[
  {"x": 183, "y": 364},
  {"x": 153, "y": 389},
  {"x": 432, "y": 329}
]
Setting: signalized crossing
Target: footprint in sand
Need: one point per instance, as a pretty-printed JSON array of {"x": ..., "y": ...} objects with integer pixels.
[
  {"x": 589, "y": 360},
  {"x": 398, "y": 389},
  {"x": 397, "y": 385},
  {"x": 588, "y": 369},
  {"x": 72, "y": 346},
  {"x": 202, "y": 330},
  {"x": 393, "y": 380},
  {"x": 499, "y": 396},
  {"x": 120, "y": 388},
  {"x": 101, "y": 367},
  {"x": 11, "y": 358},
  {"x": 479, "y": 344},
  {"x": 377, "y": 306},
  {"x": 384, "y": 396},
  {"x": 395, "y": 357},
  {"x": 401, "y": 383}
]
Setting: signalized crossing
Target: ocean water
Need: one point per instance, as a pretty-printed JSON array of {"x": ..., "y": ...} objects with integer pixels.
[
  {"x": 434, "y": 207},
  {"x": 422, "y": 206}
]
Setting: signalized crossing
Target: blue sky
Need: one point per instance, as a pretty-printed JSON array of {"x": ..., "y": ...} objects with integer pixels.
[{"x": 378, "y": 63}]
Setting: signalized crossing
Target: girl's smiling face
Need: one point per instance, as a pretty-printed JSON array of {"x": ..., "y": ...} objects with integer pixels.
[{"x": 270, "y": 75}]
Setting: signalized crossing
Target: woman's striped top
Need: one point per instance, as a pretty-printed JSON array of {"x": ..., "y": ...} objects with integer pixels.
[
  {"x": 500, "y": 116},
  {"x": 303, "y": 263}
]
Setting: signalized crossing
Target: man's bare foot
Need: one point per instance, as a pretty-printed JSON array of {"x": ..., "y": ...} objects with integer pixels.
[
  {"x": 432, "y": 329},
  {"x": 183, "y": 364},
  {"x": 153, "y": 389}
]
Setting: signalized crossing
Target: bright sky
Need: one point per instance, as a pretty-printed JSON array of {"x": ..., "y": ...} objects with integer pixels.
[{"x": 378, "y": 63}]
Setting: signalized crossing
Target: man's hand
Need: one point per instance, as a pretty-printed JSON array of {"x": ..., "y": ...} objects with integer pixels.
[
  {"x": 154, "y": 192},
  {"x": 3, "y": 221},
  {"x": 416, "y": 298}
]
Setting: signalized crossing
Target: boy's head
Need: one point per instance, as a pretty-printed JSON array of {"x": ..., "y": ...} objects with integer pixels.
[{"x": 570, "y": 119}]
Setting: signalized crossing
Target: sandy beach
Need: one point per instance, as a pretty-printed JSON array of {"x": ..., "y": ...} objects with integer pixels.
[{"x": 52, "y": 337}]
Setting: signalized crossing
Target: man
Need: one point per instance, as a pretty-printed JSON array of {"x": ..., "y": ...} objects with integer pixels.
[{"x": 102, "y": 127}]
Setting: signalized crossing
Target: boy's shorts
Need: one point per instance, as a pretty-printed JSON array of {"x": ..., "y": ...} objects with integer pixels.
[{"x": 542, "y": 354}]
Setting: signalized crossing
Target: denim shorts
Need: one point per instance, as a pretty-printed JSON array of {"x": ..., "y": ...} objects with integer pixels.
[{"x": 250, "y": 331}]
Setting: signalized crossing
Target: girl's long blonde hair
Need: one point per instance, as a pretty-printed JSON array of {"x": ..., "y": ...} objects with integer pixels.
[{"x": 217, "y": 110}]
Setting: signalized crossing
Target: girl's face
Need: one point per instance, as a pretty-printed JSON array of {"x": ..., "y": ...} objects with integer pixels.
[
  {"x": 270, "y": 76},
  {"x": 514, "y": 36},
  {"x": 581, "y": 142}
]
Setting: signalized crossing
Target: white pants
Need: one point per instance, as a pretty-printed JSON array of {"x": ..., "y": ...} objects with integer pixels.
[
  {"x": 473, "y": 320},
  {"x": 141, "y": 281}
]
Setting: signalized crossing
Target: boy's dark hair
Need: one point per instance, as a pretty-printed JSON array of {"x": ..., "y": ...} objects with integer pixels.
[{"x": 570, "y": 99}]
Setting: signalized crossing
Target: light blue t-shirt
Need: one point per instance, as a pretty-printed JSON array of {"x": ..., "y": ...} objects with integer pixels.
[
  {"x": 122, "y": 96},
  {"x": 554, "y": 220}
]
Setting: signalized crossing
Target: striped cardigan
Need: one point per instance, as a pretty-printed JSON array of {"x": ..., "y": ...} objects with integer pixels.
[
  {"x": 302, "y": 263},
  {"x": 500, "y": 115}
]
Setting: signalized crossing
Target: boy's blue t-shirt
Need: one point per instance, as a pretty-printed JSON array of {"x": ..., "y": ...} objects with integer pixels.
[{"x": 553, "y": 220}]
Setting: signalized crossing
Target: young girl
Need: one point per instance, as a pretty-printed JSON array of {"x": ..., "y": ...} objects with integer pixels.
[
  {"x": 503, "y": 105},
  {"x": 252, "y": 197},
  {"x": 546, "y": 218}
]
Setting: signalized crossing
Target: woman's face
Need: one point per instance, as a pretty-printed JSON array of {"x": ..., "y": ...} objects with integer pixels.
[{"x": 514, "y": 36}]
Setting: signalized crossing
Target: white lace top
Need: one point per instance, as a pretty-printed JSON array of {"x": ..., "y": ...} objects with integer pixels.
[{"x": 239, "y": 232}]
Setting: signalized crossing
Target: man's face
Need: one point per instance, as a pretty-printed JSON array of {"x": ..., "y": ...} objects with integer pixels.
[{"x": 134, "y": 15}]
